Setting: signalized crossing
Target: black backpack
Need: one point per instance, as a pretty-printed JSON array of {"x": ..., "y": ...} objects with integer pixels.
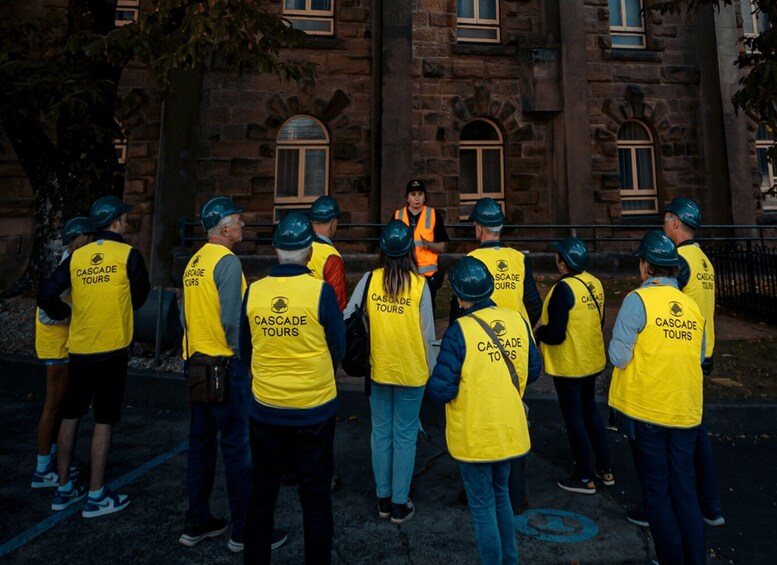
[{"x": 356, "y": 361}]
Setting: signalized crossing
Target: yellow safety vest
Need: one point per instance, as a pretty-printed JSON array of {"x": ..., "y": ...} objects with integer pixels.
[
  {"x": 662, "y": 384},
  {"x": 51, "y": 339},
  {"x": 582, "y": 351},
  {"x": 486, "y": 420},
  {"x": 202, "y": 310},
  {"x": 291, "y": 364},
  {"x": 425, "y": 258},
  {"x": 102, "y": 318},
  {"x": 508, "y": 268},
  {"x": 397, "y": 348},
  {"x": 321, "y": 253},
  {"x": 701, "y": 287}
]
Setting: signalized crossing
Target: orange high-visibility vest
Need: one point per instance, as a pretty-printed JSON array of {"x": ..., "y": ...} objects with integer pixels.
[{"x": 425, "y": 258}]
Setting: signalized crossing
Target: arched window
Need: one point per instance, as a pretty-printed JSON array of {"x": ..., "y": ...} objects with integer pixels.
[
  {"x": 637, "y": 168},
  {"x": 627, "y": 27},
  {"x": 481, "y": 162},
  {"x": 764, "y": 141},
  {"x": 314, "y": 17},
  {"x": 477, "y": 21},
  {"x": 301, "y": 162}
]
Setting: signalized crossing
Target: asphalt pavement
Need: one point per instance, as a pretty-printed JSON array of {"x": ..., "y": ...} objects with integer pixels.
[{"x": 148, "y": 461}]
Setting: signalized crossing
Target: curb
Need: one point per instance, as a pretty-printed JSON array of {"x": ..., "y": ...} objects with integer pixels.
[{"x": 25, "y": 376}]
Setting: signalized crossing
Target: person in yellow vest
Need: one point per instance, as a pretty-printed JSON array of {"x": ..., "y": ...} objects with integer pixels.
[
  {"x": 213, "y": 288},
  {"x": 657, "y": 346},
  {"x": 486, "y": 425},
  {"x": 572, "y": 347},
  {"x": 326, "y": 263},
  {"x": 514, "y": 285},
  {"x": 51, "y": 348},
  {"x": 292, "y": 336},
  {"x": 399, "y": 310},
  {"x": 429, "y": 234},
  {"x": 107, "y": 280}
]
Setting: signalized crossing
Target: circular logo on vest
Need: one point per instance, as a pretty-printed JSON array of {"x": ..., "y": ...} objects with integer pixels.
[
  {"x": 499, "y": 327},
  {"x": 279, "y": 304},
  {"x": 502, "y": 266},
  {"x": 704, "y": 265},
  {"x": 676, "y": 309},
  {"x": 552, "y": 525},
  {"x": 97, "y": 258},
  {"x": 195, "y": 261}
]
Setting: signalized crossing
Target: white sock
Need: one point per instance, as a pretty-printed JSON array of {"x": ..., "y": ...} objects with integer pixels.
[
  {"x": 94, "y": 494},
  {"x": 67, "y": 487},
  {"x": 43, "y": 463}
]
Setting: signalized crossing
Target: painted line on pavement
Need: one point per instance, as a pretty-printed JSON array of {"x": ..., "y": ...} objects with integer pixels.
[
  {"x": 42, "y": 527},
  {"x": 560, "y": 526}
]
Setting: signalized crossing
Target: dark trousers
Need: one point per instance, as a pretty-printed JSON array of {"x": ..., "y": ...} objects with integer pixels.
[
  {"x": 516, "y": 484},
  {"x": 585, "y": 428},
  {"x": 706, "y": 478},
  {"x": 664, "y": 458},
  {"x": 307, "y": 450},
  {"x": 227, "y": 422}
]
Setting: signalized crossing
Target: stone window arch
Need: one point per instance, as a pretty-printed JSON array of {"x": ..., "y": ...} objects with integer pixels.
[
  {"x": 301, "y": 163},
  {"x": 637, "y": 169},
  {"x": 481, "y": 164}
]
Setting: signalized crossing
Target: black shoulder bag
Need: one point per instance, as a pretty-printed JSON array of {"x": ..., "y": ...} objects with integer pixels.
[
  {"x": 206, "y": 375},
  {"x": 356, "y": 361}
]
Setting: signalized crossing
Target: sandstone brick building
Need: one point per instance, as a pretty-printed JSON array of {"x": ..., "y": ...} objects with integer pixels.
[{"x": 566, "y": 111}]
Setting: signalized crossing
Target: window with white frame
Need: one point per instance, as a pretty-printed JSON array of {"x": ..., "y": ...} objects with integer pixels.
[
  {"x": 637, "y": 170},
  {"x": 301, "y": 163},
  {"x": 481, "y": 165},
  {"x": 764, "y": 141},
  {"x": 477, "y": 21},
  {"x": 314, "y": 17},
  {"x": 126, "y": 12},
  {"x": 627, "y": 26},
  {"x": 753, "y": 21}
]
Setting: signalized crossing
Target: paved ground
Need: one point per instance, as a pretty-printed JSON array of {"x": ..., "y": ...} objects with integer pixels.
[{"x": 148, "y": 462}]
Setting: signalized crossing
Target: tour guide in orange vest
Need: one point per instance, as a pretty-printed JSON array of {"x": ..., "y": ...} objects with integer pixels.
[
  {"x": 429, "y": 234},
  {"x": 292, "y": 335},
  {"x": 108, "y": 280},
  {"x": 657, "y": 348}
]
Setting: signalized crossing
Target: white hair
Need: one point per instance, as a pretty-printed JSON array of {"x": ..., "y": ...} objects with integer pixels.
[
  {"x": 493, "y": 229},
  {"x": 297, "y": 257},
  {"x": 215, "y": 230}
]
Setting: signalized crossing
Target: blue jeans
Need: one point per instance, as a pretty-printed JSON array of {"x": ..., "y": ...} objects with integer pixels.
[
  {"x": 492, "y": 516},
  {"x": 230, "y": 422},
  {"x": 517, "y": 482},
  {"x": 308, "y": 452},
  {"x": 706, "y": 479},
  {"x": 664, "y": 458},
  {"x": 585, "y": 428},
  {"x": 395, "y": 424}
]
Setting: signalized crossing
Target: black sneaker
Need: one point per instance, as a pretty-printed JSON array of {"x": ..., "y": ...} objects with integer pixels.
[
  {"x": 581, "y": 486},
  {"x": 638, "y": 517},
  {"x": 236, "y": 543},
  {"x": 714, "y": 520},
  {"x": 279, "y": 537},
  {"x": 195, "y": 533},
  {"x": 384, "y": 507},
  {"x": 605, "y": 477},
  {"x": 401, "y": 513}
]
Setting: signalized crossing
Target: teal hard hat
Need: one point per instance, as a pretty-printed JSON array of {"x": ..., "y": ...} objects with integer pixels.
[
  {"x": 324, "y": 209},
  {"x": 106, "y": 209},
  {"x": 658, "y": 249},
  {"x": 74, "y": 227},
  {"x": 471, "y": 280},
  {"x": 487, "y": 212},
  {"x": 215, "y": 209},
  {"x": 396, "y": 239},
  {"x": 573, "y": 251},
  {"x": 293, "y": 232},
  {"x": 687, "y": 210}
]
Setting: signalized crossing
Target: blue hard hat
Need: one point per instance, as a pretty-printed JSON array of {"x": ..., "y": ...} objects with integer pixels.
[
  {"x": 74, "y": 227},
  {"x": 573, "y": 251},
  {"x": 687, "y": 210},
  {"x": 106, "y": 209},
  {"x": 487, "y": 212},
  {"x": 396, "y": 239},
  {"x": 293, "y": 232},
  {"x": 471, "y": 280},
  {"x": 324, "y": 209},
  {"x": 215, "y": 209},
  {"x": 658, "y": 249}
]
